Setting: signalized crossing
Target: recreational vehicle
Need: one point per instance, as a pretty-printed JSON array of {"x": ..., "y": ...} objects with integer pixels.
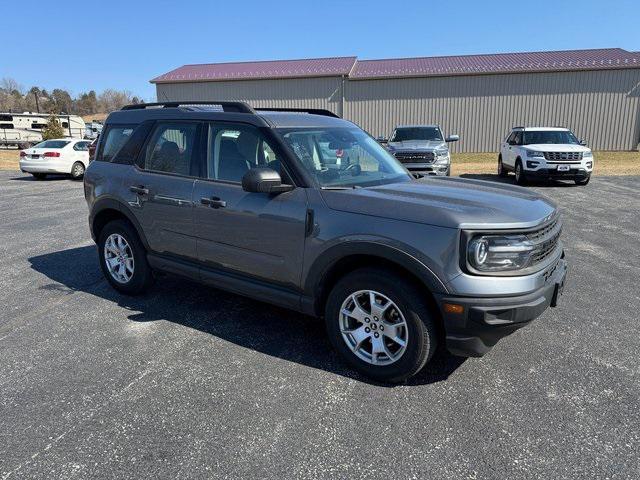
[{"x": 25, "y": 129}]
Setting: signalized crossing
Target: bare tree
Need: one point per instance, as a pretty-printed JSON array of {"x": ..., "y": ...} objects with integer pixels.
[
  {"x": 111, "y": 100},
  {"x": 14, "y": 98}
]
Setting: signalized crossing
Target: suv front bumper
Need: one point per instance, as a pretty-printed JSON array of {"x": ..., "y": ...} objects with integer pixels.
[
  {"x": 484, "y": 321},
  {"x": 429, "y": 168}
]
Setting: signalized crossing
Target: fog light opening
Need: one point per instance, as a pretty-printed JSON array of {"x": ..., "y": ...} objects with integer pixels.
[{"x": 453, "y": 308}]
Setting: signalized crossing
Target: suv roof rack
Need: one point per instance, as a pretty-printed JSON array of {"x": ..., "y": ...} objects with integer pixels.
[
  {"x": 237, "y": 107},
  {"x": 312, "y": 111},
  {"x": 513, "y": 128}
]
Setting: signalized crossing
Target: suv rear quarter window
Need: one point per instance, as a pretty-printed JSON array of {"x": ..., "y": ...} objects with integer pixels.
[{"x": 114, "y": 139}]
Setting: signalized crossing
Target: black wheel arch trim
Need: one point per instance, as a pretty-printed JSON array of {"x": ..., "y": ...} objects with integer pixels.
[
  {"x": 113, "y": 204},
  {"x": 328, "y": 259}
]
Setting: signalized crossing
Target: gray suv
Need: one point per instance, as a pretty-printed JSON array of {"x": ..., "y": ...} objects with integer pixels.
[
  {"x": 421, "y": 148},
  {"x": 305, "y": 210}
]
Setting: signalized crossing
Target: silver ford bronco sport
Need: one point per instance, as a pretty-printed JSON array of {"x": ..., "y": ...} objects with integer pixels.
[{"x": 305, "y": 210}]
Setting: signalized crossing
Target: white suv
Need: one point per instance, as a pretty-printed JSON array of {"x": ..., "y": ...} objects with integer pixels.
[{"x": 545, "y": 152}]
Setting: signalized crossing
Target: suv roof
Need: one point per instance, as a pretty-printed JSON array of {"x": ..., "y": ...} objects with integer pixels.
[
  {"x": 534, "y": 129},
  {"x": 226, "y": 110},
  {"x": 418, "y": 125}
]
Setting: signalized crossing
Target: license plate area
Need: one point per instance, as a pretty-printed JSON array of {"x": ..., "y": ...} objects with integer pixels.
[{"x": 564, "y": 168}]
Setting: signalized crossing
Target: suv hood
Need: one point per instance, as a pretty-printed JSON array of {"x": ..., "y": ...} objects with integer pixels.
[
  {"x": 556, "y": 147},
  {"x": 446, "y": 202},
  {"x": 412, "y": 145}
]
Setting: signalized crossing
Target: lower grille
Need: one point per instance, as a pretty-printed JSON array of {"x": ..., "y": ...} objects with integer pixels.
[
  {"x": 415, "y": 157},
  {"x": 563, "y": 155}
]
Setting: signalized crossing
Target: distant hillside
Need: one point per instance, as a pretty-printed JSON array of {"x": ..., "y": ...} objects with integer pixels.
[{"x": 100, "y": 117}]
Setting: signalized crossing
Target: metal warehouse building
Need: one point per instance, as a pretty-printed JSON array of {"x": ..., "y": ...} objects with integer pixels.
[{"x": 596, "y": 93}]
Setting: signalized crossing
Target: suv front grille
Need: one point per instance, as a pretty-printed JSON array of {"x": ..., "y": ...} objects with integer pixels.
[
  {"x": 560, "y": 156},
  {"x": 545, "y": 240},
  {"x": 415, "y": 157}
]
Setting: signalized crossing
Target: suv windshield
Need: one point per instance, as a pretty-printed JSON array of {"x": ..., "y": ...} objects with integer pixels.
[
  {"x": 343, "y": 157},
  {"x": 416, "y": 133},
  {"x": 549, "y": 136}
]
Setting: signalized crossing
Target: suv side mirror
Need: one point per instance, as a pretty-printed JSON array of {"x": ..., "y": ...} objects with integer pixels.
[
  {"x": 583, "y": 143},
  {"x": 264, "y": 180},
  {"x": 452, "y": 138}
]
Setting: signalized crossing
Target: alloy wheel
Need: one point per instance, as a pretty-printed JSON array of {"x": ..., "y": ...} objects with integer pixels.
[
  {"x": 78, "y": 170},
  {"x": 373, "y": 327},
  {"x": 118, "y": 257}
]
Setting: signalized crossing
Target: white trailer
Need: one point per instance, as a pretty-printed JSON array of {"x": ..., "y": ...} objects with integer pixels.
[{"x": 25, "y": 129}]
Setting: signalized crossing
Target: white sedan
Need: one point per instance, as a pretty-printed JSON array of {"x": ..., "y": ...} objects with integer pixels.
[{"x": 61, "y": 155}]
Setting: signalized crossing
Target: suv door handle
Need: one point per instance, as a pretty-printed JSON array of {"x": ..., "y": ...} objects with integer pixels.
[
  {"x": 140, "y": 189},
  {"x": 213, "y": 202}
]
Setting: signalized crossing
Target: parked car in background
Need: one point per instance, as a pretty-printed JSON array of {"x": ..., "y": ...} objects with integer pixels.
[
  {"x": 92, "y": 130},
  {"x": 251, "y": 201},
  {"x": 421, "y": 148},
  {"x": 25, "y": 129},
  {"x": 61, "y": 155},
  {"x": 546, "y": 153}
]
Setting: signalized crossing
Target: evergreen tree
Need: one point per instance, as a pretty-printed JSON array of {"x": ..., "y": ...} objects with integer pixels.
[{"x": 53, "y": 128}]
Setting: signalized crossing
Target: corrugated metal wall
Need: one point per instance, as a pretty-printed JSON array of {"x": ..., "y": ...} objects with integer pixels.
[
  {"x": 321, "y": 92},
  {"x": 602, "y": 107}
]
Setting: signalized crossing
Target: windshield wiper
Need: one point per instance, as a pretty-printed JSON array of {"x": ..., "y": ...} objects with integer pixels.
[{"x": 341, "y": 188}]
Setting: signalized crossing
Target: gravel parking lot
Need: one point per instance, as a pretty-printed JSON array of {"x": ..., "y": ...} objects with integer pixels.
[{"x": 192, "y": 382}]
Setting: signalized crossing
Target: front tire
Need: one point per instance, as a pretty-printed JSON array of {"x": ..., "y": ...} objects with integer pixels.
[
  {"x": 521, "y": 178},
  {"x": 123, "y": 258},
  {"x": 77, "y": 171},
  {"x": 501, "y": 171},
  {"x": 380, "y": 324}
]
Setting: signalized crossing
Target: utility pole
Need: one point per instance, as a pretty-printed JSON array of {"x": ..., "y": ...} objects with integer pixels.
[{"x": 35, "y": 94}]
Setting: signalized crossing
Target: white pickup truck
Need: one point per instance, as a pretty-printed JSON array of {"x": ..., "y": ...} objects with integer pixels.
[{"x": 545, "y": 152}]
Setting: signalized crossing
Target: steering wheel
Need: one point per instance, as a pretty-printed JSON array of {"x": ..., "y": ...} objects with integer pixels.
[{"x": 355, "y": 169}]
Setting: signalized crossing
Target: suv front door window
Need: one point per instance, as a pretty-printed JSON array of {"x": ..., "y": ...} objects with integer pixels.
[{"x": 255, "y": 234}]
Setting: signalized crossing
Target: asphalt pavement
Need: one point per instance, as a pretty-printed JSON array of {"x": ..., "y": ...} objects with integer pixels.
[{"x": 192, "y": 382}]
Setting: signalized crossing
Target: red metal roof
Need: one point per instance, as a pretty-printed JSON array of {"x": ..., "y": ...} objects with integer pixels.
[
  {"x": 598, "y": 59},
  {"x": 313, "y": 67},
  {"x": 497, "y": 63}
]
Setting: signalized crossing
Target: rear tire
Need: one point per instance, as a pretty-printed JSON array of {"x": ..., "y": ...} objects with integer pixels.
[
  {"x": 401, "y": 310},
  {"x": 501, "y": 171},
  {"x": 123, "y": 258},
  {"x": 521, "y": 178},
  {"x": 39, "y": 176},
  {"x": 77, "y": 171}
]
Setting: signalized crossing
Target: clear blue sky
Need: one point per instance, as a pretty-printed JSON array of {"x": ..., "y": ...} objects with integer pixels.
[{"x": 83, "y": 45}]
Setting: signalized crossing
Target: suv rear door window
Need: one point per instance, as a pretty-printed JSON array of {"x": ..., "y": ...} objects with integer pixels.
[
  {"x": 171, "y": 148},
  {"x": 115, "y": 139}
]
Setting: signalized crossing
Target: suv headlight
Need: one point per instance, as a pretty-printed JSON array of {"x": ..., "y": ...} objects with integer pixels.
[
  {"x": 588, "y": 154},
  {"x": 498, "y": 253},
  {"x": 534, "y": 154},
  {"x": 441, "y": 156}
]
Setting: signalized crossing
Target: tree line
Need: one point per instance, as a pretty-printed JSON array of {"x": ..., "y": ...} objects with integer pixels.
[{"x": 14, "y": 98}]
